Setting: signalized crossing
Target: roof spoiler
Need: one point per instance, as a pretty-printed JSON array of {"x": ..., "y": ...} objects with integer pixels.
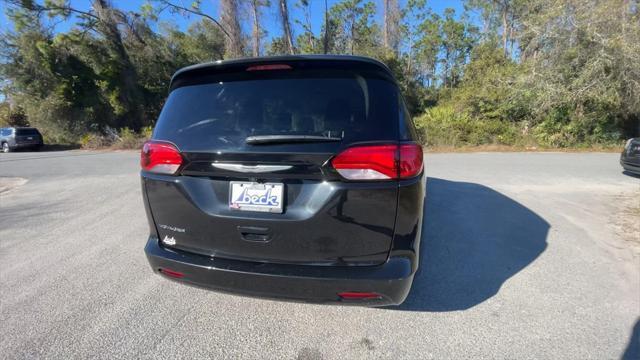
[{"x": 277, "y": 63}]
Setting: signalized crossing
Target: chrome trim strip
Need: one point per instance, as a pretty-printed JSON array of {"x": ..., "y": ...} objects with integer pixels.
[{"x": 251, "y": 168}]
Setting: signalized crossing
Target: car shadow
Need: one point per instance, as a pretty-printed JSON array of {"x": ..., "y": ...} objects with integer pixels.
[
  {"x": 473, "y": 240},
  {"x": 632, "y": 352},
  {"x": 628, "y": 173},
  {"x": 60, "y": 147}
]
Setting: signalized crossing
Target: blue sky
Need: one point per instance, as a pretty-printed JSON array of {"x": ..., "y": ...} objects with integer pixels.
[{"x": 211, "y": 7}]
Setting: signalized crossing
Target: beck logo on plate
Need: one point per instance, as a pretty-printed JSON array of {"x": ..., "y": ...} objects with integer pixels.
[{"x": 251, "y": 196}]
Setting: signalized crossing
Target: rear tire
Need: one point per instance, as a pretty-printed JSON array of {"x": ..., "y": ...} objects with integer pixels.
[{"x": 5, "y": 147}]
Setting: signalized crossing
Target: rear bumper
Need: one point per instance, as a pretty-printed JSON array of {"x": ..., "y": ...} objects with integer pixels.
[
  {"x": 630, "y": 165},
  {"x": 319, "y": 284},
  {"x": 22, "y": 145}
]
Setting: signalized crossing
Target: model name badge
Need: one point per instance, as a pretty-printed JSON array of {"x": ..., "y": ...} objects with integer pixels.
[{"x": 172, "y": 228}]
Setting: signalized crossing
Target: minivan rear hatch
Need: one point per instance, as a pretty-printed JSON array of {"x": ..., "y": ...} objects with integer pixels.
[{"x": 271, "y": 128}]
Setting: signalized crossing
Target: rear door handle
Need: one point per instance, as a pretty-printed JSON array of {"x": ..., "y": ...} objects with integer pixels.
[{"x": 254, "y": 233}]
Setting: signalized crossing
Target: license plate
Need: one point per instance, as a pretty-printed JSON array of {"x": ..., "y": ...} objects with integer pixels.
[
  {"x": 30, "y": 138},
  {"x": 251, "y": 196}
]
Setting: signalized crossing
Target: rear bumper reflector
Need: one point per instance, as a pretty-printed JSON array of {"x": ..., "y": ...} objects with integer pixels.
[
  {"x": 171, "y": 273},
  {"x": 353, "y": 295}
]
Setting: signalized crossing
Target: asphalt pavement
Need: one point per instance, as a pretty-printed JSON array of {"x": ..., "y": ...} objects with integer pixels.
[{"x": 525, "y": 255}]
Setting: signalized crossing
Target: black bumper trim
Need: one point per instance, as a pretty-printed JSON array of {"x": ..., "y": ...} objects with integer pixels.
[
  {"x": 318, "y": 284},
  {"x": 630, "y": 167}
]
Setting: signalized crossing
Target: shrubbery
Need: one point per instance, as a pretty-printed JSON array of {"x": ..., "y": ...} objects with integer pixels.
[
  {"x": 120, "y": 140},
  {"x": 528, "y": 79},
  {"x": 443, "y": 126}
]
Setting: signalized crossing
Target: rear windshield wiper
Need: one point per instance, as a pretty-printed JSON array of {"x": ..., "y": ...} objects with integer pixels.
[{"x": 283, "y": 139}]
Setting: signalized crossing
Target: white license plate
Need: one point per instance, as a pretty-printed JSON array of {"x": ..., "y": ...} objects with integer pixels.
[{"x": 251, "y": 196}]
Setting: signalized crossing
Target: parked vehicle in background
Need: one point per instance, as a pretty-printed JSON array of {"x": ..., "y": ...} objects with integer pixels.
[
  {"x": 13, "y": 138},
  {"x": 294, "y": 177},
  {"x": 630, "y": 157}
]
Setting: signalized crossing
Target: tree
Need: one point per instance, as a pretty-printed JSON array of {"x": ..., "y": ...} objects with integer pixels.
[
  {"x": 458, "y": 38},
  {"x": 421, "y": 29},
  {"x": 391, "y": 30},
  {"x": 234, "y": 45},
  {"x": 503, "y": 14},
  {"x": 257, "y": 32},
  {"x": 584, "y": 66},
  {"x": 125, "y": 93},
  {"x": 286, "y": 26},
  {"x": 326, "y": 32},
  {"x": 178, "y": 8},
  {"x": 563, "y": 72},
  {"x": 353, "y": 31},
  {"x": 306, "y": 41}
]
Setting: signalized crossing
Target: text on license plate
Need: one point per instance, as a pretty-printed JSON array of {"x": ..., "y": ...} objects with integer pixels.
[{"x": 251, "y": 196}]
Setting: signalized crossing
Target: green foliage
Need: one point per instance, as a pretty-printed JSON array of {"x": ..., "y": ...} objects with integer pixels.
[
  {"x": 551, "y": 73},
  {"x": 93, "y": 141},
  {"x": 491, "y": 89},
  {"x": 12, "y": 117},
  {"x": 128, "y": 139},
  {"x": 443, "y": 125},
  {"x": 352, "y": 28},
  {"x": 125, "y": 139}
]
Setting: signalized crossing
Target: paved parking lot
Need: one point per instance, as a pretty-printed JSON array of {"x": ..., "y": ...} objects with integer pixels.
[{"x": 525, "y": 255}]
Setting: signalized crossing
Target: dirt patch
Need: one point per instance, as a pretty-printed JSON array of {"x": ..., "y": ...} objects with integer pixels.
[
  {"x": 627, "y": 220},
  {"x": 10, "y": 183}
]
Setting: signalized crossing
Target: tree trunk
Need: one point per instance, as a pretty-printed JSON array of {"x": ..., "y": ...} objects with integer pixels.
[
  {"x": 385, "y": 30},
  {"x": 391, "y": 31},
  {"x": 505, "y": 29},
  {"x": 234, "y": 47},
  {"x": 352, "y": 35},
  {"x": 286, "y": 26},
  {"x": 257, "y": 32},
  {"x": 307, "y": 19},
  {"x": 325, "y": 41}
]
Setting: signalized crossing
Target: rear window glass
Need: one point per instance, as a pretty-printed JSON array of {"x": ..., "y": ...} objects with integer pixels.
[
  {"x": 27, "y": 132},
  {"x": 223, "y": 114}
]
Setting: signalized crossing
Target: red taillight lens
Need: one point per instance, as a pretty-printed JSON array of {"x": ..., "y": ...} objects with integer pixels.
[
  {"x": 269, "y": 67},
  {"x": 376, "y": 162},
  {"x": 160, "y": 157},
  {"x": 379, "y": 162},
  {"x": 411, "y": 161},
  {"x": 352, "y": 295}
]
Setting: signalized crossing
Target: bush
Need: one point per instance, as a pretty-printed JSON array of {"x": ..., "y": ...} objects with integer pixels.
[
  {"x": 114, "y": 139},
  {"x": 444, "y": 126},
  {"x": 558, "y": 129},
  {"x": 94, "y": 141},
  {"x": 146, "y": 132},
  {"x": 127, "y": 139}
]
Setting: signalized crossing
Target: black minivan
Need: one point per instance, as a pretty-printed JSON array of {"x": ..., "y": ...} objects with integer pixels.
[{"x": 296, "y": 177}]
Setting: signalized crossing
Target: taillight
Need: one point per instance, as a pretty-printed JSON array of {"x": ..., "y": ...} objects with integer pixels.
[
  {"x": 411, "y": 161},
  {"x": 160, "y": 157},
  {"x": 379, "y": 162}
]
